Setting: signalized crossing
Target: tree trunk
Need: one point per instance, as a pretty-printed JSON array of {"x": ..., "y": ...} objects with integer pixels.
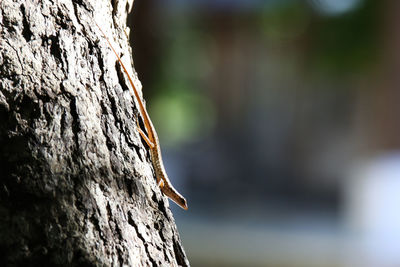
[{"x": 77, "y": 185}]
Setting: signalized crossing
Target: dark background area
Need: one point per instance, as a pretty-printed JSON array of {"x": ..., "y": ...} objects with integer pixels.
[{"x": 279, "y": 122}]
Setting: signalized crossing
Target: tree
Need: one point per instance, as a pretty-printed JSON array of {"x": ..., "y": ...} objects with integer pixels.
[{"x": 77, "y": 185}]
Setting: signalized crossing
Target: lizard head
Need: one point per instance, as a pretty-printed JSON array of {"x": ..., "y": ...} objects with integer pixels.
[{"x": 174, "y": 196}]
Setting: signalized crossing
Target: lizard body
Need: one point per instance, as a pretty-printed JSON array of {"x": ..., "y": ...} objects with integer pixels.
[{"x": 152, "y": 141}]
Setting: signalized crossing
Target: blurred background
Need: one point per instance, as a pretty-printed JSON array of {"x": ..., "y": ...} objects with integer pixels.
[{"x": 279, "y": 121}]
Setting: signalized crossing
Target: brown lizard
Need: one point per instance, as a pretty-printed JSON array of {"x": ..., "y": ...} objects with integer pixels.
[{"x": 152, "y": 141}]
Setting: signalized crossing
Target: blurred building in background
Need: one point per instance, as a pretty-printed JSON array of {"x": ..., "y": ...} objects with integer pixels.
[{"x": 279, "y": 123}]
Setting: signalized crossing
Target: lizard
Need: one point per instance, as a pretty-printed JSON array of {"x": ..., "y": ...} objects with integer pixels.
[{"x": 151, "y": 140}]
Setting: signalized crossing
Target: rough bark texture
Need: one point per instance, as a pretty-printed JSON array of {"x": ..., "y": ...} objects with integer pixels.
[{"x": 77, "y": 185}]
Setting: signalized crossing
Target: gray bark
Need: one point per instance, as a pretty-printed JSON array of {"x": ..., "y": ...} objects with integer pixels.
[{"x": 76, "y": 183}]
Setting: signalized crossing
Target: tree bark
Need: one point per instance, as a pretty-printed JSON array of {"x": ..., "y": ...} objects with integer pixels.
[{"x": 77, "y": 185}]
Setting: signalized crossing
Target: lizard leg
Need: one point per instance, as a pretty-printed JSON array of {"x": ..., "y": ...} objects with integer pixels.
[
  {"x": 144, "y": 136},
  {"x": 160, "y": 182}
]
